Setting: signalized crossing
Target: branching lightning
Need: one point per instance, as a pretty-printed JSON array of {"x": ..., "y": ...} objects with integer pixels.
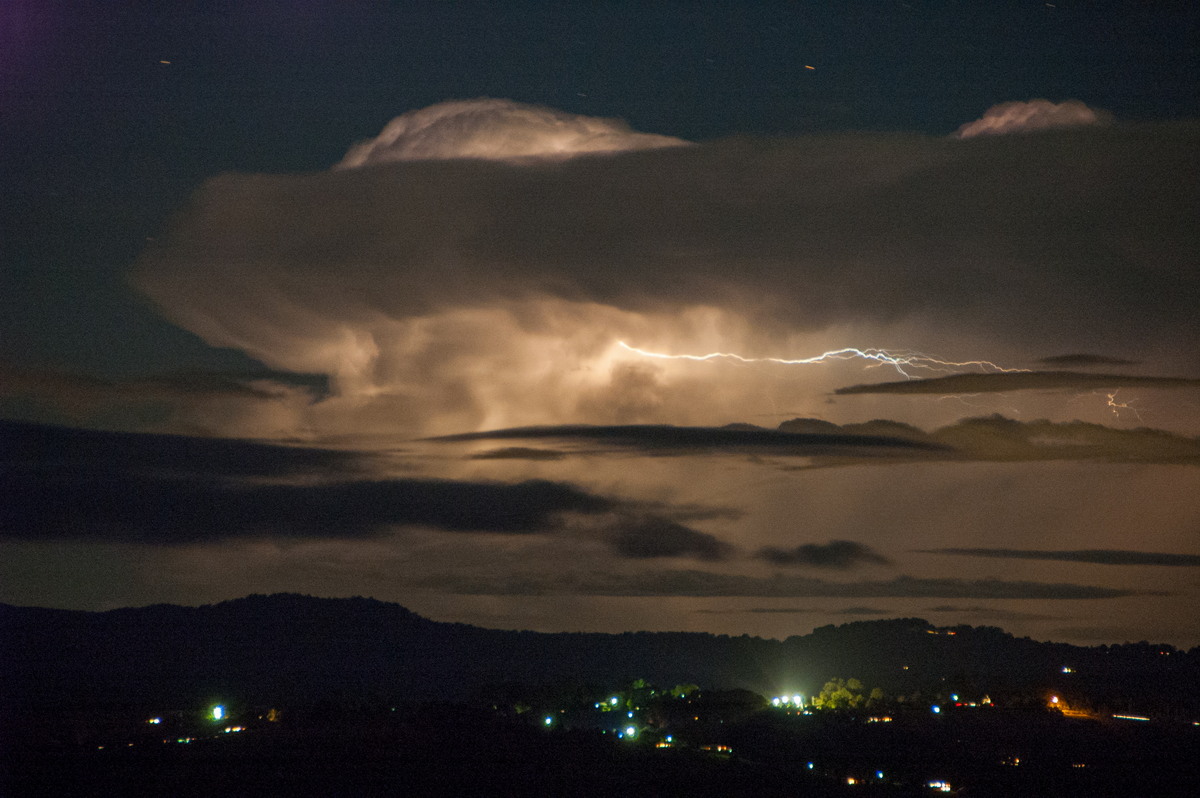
[
  {"x": 1117, "y": 407},
  {"x": 899, "y": 360}
]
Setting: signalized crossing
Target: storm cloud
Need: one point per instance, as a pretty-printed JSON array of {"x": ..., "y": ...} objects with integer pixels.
[{"x": 462, "y": 293}]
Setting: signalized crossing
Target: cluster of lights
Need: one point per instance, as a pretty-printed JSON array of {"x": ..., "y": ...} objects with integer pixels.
[
  {"x": 783, "y": 701},
  {"x": 940, "y": 786}
]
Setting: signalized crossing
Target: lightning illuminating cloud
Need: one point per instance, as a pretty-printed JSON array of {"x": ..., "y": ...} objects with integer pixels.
[{"x": 880, "y": 357}]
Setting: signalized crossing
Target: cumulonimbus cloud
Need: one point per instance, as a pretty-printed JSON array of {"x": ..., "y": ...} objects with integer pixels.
[
  {"x": 1039, "y": 114},
  {"x": 465, "y": 294}
]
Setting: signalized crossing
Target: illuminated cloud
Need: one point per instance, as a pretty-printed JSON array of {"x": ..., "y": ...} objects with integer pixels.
[
  {"x": 457, "y": 295},
  {"x": 836, "y": 554},
  {"x": 497, "y": 130},
  {"x": 1099, "y": 556},
  {"x": 1020, "y": 117}
]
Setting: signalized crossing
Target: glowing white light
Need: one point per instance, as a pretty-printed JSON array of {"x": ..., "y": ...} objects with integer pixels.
[
  {"x": 798, "y": 700},
  {"x": 549, "y": 720},
  {"x": 613, "y": 700},
  {"x": 218, "y": 712},
  {"x": 936, "y": 709},
  {"x": 155, "y": 721},
  {"x": 897, "y": 360},
  {"x": 630, "y": 731}
]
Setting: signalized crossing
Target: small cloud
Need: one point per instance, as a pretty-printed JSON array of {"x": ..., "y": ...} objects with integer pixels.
[
  {"x": 839, "y": 554},
  {"x": 497, "y": 130},
  {"x": 651, "y": 536},
  {"x": 519, "y": 453},
  {"x": 1039, "y": 114},
  {"x": 1098, "y": 556}
]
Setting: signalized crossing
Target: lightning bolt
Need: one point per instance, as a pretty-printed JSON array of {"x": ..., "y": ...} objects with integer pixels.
[
  {"x": 1117, "y": 407},
  {"x": 898, "y": 360}
]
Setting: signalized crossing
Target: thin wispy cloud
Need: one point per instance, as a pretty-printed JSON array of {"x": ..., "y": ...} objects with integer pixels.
[
  {"x": 1018, "y": 381},
  {"x": 1098, "y": 556}
]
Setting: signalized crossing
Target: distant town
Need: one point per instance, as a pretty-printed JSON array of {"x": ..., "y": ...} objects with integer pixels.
[{"x": 446, "y": 709}]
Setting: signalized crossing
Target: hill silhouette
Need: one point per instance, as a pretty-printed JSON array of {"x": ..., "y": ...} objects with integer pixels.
[{"x": 300, "y": 649}]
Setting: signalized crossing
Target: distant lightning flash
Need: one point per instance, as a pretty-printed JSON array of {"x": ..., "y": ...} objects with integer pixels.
[
  {"x": 878, "y": 357},
  {"x": 1117, "y": 407}
]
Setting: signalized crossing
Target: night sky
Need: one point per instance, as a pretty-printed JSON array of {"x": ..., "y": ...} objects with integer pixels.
[{"x": 741, "y": 318}]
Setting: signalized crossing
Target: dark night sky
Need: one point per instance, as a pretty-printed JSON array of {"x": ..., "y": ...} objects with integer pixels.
[{"x": 826, "y": 205}]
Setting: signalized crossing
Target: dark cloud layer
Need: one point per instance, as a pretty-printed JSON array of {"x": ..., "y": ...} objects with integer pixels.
[
  {"x": 59, "y": 483},
  {"x": 100, "y": 504},
  {"x": 667, "y": 439},
  {"x": 651, "y": 536},
  {"x": 40, "y": 446},
  {"x": 795, "y": 611},
  {"x": 1019, "y": 381},
  {"x": 707, "y": 583},
  {"x": 836, "y": 554},
  {"x": 989, "y": 438},
  {"x": 1100, "y": 556},
  {"x": 1083, "y": 361}
]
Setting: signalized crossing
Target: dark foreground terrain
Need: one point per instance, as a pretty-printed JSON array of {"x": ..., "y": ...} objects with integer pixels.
[
  {"x": 460, "y": 750},
  {"x": 296, "y": 696}
]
